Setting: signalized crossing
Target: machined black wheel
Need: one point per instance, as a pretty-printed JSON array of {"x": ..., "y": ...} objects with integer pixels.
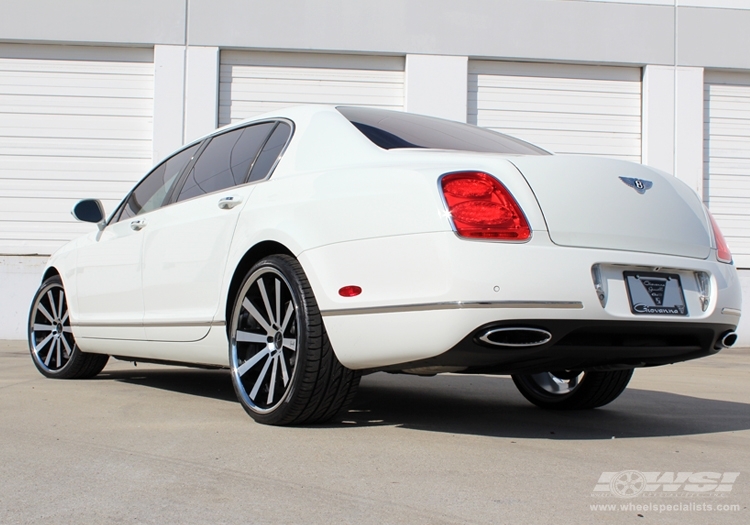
[
  {"x": 51, "y": 343},
  {"x": 573, "y": 389},
  {"x": 284, "y": 370}
]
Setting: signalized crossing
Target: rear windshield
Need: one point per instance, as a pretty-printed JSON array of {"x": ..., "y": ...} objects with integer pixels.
[{"x": 393, "y": 130}]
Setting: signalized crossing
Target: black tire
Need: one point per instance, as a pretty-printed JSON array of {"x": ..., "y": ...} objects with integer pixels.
[
  {"x": 566, "y": 390},
  {"x": 284, "y": 370},
  {"x": 53, "y": 348}
]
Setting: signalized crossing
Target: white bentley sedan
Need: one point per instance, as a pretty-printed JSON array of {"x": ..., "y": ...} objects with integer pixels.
[{"x": 307, "y": 247}]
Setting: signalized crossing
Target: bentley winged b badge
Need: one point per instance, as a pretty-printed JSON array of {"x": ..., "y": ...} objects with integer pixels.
[{"x": 638, "y": 185}]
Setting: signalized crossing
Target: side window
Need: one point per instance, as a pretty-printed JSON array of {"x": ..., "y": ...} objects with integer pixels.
[
  {"x": 226, "y": 161},
  {"x": 151, "y": 192},
  {"x": 271, "y": 151}
]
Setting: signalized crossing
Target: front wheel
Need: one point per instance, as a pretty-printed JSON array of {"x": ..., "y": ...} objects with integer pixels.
[
  {"x": 284, "y": 370},
  {"x": 51, "y": 343},
  {"x": 573, "y": 389}
]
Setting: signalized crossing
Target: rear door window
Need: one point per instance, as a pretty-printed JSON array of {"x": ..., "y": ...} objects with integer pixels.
[
  {"x": 271, "y": 153},
  {"x": 226, "y": 161}
]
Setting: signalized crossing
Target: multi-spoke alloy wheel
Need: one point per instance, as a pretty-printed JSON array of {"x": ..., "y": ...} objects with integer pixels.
[
  {"x": 266, "y": 354},
  {"x": 51, "y": 342},
  {"x": 573, "y": 389},
  {"x": 283, "y": 368},
  {"x": 558, "y": 383}
]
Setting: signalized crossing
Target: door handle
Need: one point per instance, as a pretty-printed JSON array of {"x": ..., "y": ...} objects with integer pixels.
[
  {"x": 138, "y": 225},
  {"x": 227, "y": 203}
]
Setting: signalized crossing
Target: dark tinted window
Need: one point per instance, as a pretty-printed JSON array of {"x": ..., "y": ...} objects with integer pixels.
[
  {"x": 271, "y": 151},
  {"x": 226, "y": 161},
  {"x": 151, "y": 192},
  {"x": 393, "y": 130}
]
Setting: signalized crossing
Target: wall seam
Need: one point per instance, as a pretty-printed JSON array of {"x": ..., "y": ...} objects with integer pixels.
[
  {"x": 185, "y": 69},
  {"x": 675, "y": 57}
]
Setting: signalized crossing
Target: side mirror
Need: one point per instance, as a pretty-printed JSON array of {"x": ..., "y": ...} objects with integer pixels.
[{"x": 90, "y": 210}]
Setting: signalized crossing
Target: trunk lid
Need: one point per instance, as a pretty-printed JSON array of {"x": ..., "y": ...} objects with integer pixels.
[{"x": 593, "y": 202}]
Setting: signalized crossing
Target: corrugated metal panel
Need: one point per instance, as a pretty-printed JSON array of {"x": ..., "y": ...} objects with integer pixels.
[
  {"x": 726, "y": 154},
  {"x": 74, "y": 123},
  {"x": 590, "y": 110},
  {"x": 252, "y": 83}
]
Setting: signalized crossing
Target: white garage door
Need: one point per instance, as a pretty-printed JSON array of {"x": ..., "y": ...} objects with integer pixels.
[
  {"x": 726, "y": 183},
  {"x": 590, "y": 110},
  {"x": 252, "y": 83},
  {"x": 74, "y": 123}
]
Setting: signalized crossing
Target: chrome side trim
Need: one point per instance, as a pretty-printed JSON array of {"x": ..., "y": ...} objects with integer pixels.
[
  {"x": 453, "y": 305},
  {"x": 147, "y": 324},
  {"x": 731, "y": 311}
]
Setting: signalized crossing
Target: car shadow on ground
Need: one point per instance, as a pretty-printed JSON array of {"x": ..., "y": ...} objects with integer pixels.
[
  {"x": 491, "y": 406},
  {"x": 215, "y": 384},
  {"x": 481, "y": 405}
]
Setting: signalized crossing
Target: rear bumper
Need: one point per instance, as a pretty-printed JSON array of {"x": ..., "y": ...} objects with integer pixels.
[
  {"x": 581, "y": 345},
  {"x": 425, "y": 296}
]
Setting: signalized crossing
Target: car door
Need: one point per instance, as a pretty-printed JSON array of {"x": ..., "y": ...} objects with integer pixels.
[
  {"x": 186, "y": 244},
  {"x": 109, "y": 269}
]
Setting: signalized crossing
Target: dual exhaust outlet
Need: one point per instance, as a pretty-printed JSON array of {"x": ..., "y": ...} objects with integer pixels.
[
  {"x": 726, "y": 340},
  {"x": 521, "y": 337},
  {"x": 516, "y": 337}
]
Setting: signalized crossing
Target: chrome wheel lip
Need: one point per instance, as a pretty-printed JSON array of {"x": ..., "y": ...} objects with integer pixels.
[
  {"x": 274, "y": 334},
  {"x": 553, "y": 385},
  {"x": 52, "y": 332}
]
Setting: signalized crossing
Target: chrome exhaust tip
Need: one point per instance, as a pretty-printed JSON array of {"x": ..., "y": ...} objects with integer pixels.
[
  {"x": 727, "y": 340},
  {"x": 516, "y": 337}
]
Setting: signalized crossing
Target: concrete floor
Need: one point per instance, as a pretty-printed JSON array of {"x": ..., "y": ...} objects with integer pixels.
[{"x": 167, "y": 445}]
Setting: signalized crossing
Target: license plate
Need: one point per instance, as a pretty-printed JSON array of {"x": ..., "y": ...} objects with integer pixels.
[{"x": 655, "y": 293}]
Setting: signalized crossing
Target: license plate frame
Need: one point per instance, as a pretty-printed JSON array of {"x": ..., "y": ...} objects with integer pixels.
[{"x": 655, "y": 293}]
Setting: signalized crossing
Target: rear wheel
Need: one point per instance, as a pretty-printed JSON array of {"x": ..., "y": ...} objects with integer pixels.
[
  {"x": 284, "y": 370},
  {"x": 51, "y": 343},
  {"x": 573, "y": 389}
]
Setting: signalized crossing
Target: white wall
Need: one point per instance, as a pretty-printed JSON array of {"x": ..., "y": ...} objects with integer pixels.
[
  {"x": 703, "y": 33},
  {"x": 186, "y": 95},
  {"x": 657, "y": 138},
  {"x": 19, "y": 280},
  {"x": 672, "y": 138},
  {"x": 201, "y": 91},
  {"x": 169, "y": 100},
  {"x": 688, "y": 127},
  {"x": 437, "y": 86}
]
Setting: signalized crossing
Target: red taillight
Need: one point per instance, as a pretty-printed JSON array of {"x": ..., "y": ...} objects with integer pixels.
[
  {"x": 722, "y": 249},
  {"x": 482, "y": 208}
]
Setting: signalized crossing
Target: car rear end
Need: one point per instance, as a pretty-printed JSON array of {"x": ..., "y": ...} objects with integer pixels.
[
  {"x": 578, "y": 270},
  {"x": 522, "y": 261}
]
